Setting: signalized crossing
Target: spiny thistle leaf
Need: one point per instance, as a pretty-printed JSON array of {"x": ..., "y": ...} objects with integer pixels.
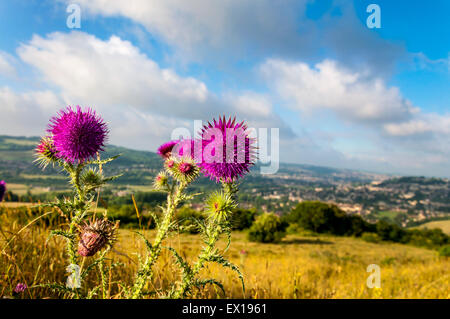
[
  {"x": 105, "y": 161},
  {"x": 93, "y": 292},
  {"x": 224, "y": 262},
  {"x": 187, "y": 270},
  {"x": 147, "y": 243},
  {"x": 59, "y": 232},
  {"x": 92, "y": 266},
  {"x": 155, "y": 218},
  {"x": 111, "y": 178},
  {"x": 58, "y": 288},
  {"x": 203, "y": 282}
]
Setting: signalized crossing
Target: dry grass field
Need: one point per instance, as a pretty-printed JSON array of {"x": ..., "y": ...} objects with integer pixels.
[
  {"x": 442, "y": 224},
  {"x": 298, "y": 267}
]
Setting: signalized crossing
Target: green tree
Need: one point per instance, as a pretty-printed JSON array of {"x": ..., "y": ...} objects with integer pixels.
[{"x": 267, "y": 228}]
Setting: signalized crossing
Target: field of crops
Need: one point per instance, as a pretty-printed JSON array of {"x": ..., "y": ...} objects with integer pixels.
[{"x": 298, "y": 267}]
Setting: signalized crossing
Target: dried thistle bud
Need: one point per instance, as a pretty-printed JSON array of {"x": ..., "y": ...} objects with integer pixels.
[{"x": 95, "y": 235}]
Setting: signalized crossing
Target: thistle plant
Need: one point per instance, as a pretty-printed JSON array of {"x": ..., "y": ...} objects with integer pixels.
[
  {"x": 73, "y": 142},
  {"x": 182, "y": 171},
  {"x": 227, "y": 153}
]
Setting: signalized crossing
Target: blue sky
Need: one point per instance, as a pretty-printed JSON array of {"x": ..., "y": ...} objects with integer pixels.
[{"x": 342, "y": 94}]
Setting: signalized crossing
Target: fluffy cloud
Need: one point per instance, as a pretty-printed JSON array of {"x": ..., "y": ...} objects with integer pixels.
[
  {"x": 353, "y": 96},
  {"x": 26, "y": 113},
  {"x": 113, "y": 72},
  {"x": 6, "y": 64},
  {"x": 192, "y": 26},
  {"x": 141, "y": 100},
  {"x": 426, "y": 132}
]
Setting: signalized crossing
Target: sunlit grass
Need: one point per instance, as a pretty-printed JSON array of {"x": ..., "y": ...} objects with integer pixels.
[
  {"x": 442, "y": 224},
  {"x": 298, "y": 267}
]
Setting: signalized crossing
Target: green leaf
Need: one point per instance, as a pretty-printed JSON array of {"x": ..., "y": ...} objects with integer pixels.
[
  {"x": 180, "y": 261},
  {"x": 204, "y": 282},
  {"x": 147, "y": 243},
  {"x": 225, "y": 263},
  {"x": 103, "y": 162}
]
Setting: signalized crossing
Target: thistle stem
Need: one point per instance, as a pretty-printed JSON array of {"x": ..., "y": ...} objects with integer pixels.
[
  {"x": 101, "y": 268},
  {"x": 217, "y": 229},
  {"x": 207, "y": 251},
  {"x": 145, "y": 274}
]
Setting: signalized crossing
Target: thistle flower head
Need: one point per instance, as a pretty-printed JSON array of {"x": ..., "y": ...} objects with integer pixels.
[
  {"x": 182, "y": 169},
  {"x": 227, "y": 150},
  {"x": 2, "y": 190},
  {"x": 169, "y": 164},
  {"x": 161, "y": 181},
  {"x": 185, "y": 167},
  {"x": 95, "y": 235},
  {"x": 21, "y": 287},
  {"x": 220, "y": 205},
  {"x": 46, "y": 152},
  {"x": 78, "y": 135},
  {"x": 165, "y": 150}
]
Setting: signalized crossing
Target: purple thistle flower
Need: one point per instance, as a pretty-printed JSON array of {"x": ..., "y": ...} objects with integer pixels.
[
  {"x": 78, "y": 135},
  {"x": 216, "y": 163},
  {"x": 165, "y": 150},
  {"x": 2, "y": 190},
  {"x": 185, "y": 168},
  {"x": 20, "y": 288},
  {"x": 184, "y": 148}
]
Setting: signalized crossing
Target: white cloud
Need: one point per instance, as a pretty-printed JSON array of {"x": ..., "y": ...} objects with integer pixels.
[
  {"x": 142, "y": 101},
  {"x": 421, "y": 61},
  {"x": 353, "y": 96},
  {"x": 6, "y": 64},
  {"x": 250, "y": 103},
  {"x": 423, "y": 124},
  {"x": 113, "y": 72},
  {"x": 216, "y": 25},
  {"x": 26, "y": 113}
]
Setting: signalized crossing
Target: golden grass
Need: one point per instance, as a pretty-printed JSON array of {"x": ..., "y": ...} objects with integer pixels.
[
  {"x": 442, "y": 224},
  {"x": 299, "y": 267}
]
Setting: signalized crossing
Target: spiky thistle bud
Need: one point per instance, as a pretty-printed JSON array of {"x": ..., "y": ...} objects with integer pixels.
[
  {"x": 92, "y": 179},
  {"x": 169, "y": 164},
  {"x": 182, "y": 169},
  {"x": 220, "y": 205},
  {"x": 161, "y": 181},
  {"x": 95, "y": 235},
  {"x": 46, "y": 152}
]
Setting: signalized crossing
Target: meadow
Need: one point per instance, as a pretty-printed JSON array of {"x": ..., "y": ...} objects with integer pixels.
[{"x": 300, "y": 266}]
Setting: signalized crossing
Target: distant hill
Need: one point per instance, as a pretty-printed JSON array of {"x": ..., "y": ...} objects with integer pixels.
[
  {"x": 374, "y": 196},
  {"x": 16, "y": 165}
]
